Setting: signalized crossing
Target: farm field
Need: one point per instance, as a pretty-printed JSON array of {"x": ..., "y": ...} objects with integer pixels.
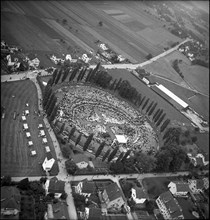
[
  {"x": 27, "y": 24},
  {"x": 15, "y": 153}
]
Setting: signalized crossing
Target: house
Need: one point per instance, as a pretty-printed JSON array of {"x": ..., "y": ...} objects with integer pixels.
[
  {"x": 169, "y": 206},
  {"x": 84, "y": 187},
  {"x": 10, "y": 202},
  {"x": 80, "y": 161},
  {"x": 48, "y": 162},
  {"x": 196, "y": 186},
  {"x": 57, "y": 211},
  {"x": 55, "y": 186},
  {"x": 112, "y": 197},
  {"x": 94, "y": 213},
  {"x": 179, "y": 188},
  {"x": 138, "y": 195}
]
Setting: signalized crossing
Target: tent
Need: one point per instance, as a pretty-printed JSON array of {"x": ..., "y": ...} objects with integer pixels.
[
  {"x": 26, "y": 112},
  {"x": 40, "y": 126},
  {"x": 24, "y": 118},
  {"x": 25, "y": 126},
  {"x": 33, "y": 152},
  {"x": 30, "y": 143},
  {"x": 47, "y": 149},
  {"x": 28, "y": 134},
  {"x": 121, "y": 139},
  {"x": 48, "y": 164},
  {"x": 42, "y": 133},
  {"x": 44, "y": 140}
]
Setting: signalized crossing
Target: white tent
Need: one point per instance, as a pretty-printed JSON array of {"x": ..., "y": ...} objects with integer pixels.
[
  {"x": 40, "y": 126},
  {"x": 33, "y": 153},
  {"x": 47, "y": 149},
  {"x": 28, "y": 134},
  {"x": 30, "y": 143},
  {"x": 121, "y": 139},
  {"x": 25, "y": 126},
  {"x": 44, "y": 140},
  {"x": 26, "y": 112},
  {"x": 42, "y": 133},
  {"x": 24, "y": 118},
  {"x": 48, "y": 164},
  {"x": 44, "y": 83}
]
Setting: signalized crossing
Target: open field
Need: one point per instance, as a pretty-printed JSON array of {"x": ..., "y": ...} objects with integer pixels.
[
  {"x": 15, "y": 153},
  {"x": 23, "y": 23},
  {"x": 197, "y": 76}
]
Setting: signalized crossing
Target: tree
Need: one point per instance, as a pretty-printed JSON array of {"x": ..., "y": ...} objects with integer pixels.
[
  {"x": 83, "y": 73},
  {"x": 149, "y": 56},
  {"x": 163, "y": 161},
  {"x": 113, "y": 153},
  {"x": 149, "y": 107},
  {"x": 50, "y": 82},
  {"x": 88, "y": 141},
  {"x": 88, "y": 75},
  {"x": 71, "y": 132},
  {"x": 158, "y": 115},
  {"x": 80, "y": 74},
  {"x": 53, "y": 114},
  {"x": 161, "y": 119},
  {"x": 24, "y": 184},
  {"x": 146, "y": 102},
  {"x": 100, "y": 23},
  {"x": 71, "y": 166},
  {"x": 47, "y": 94},
  {"x": 66, "y": 151},
  {"x": 129, "y": 165},
  {"x": 97, "y": 67},
  {"x": 112, "y": 86},
  {"x": 106, "y": 154},
  {"x": 155, "y": 114},
  {"x": 78, "y": 139},
  {"x": 6, "y": 181},
  {"x": 100, "y": 148},
  {"x": 126, "y": 155},
  {"x": 117, "y": 167},
  {"x": 62, "y": 128},
  {"x": 120, "y": 157},
  {"x": 43, "y": 180},
  {"x": 144, "y": 162},
  {"x": 118, "y": 84},
  {"x": 142, "y": 101},
  {"x": 51, "y": 106},
  {"x": 152, "y": 109},
  {"x": 65, "y": 74},
  {"x": 49, "y": 101},
  {"x": 194, "y": 139},
  {"x": 150, "y": 206},
  {"x": 54, "y": 75},
  {"x": 164, "y": 125},
  {"x": 58, "y": 76},
  {"x": 63, "y": 196}
]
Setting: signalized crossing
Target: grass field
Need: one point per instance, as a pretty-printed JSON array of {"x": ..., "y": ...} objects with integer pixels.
[
  {"x": 23, "y": 23},
  {"x": 15, "y": 153}
]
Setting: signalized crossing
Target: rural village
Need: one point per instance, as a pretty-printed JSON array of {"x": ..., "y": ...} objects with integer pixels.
[{"x": 104, "y": 110}]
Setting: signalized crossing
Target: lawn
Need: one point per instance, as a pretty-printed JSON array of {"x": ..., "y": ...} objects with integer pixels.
[
  {"x": 15, "y": 153},
  {"x": 157, "y": 185}
]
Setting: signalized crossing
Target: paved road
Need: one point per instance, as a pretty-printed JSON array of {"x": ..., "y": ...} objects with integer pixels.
[{"x": 134, "y": 66}]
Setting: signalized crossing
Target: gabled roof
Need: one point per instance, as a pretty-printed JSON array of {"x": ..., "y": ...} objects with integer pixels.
[
  {"x": 181, "y": 187},
  {"x": 113, "y": 191},
  {"x": 56, "y": 186},
  {"x": 171, "y": 204},
  {"x": 94, "y": 214},
  {"x": 88, "y": 187},
  {"x": 140, "y": 194}
]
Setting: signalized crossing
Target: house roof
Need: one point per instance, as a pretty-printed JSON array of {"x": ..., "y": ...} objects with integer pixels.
[
  {"x": 58, "y": 210},
  {"x": 56, "y": 186},
  {"x": 94, "y": 214},
  {"x": 171, "y": 204},
  {"x": 88, "y": 187},
  {"x": 140, "y": 194},
  {"x": 113, "y": 191},
  {"x": 10, "y": 197},
  {"x": 182, "y": 187}
]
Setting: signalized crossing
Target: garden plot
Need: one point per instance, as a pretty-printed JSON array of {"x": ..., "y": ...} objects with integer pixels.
[
  {"x": 96, "y": 111},
  {"x": 123, "y": 18},
  {"x": 135, "y": 25}
]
